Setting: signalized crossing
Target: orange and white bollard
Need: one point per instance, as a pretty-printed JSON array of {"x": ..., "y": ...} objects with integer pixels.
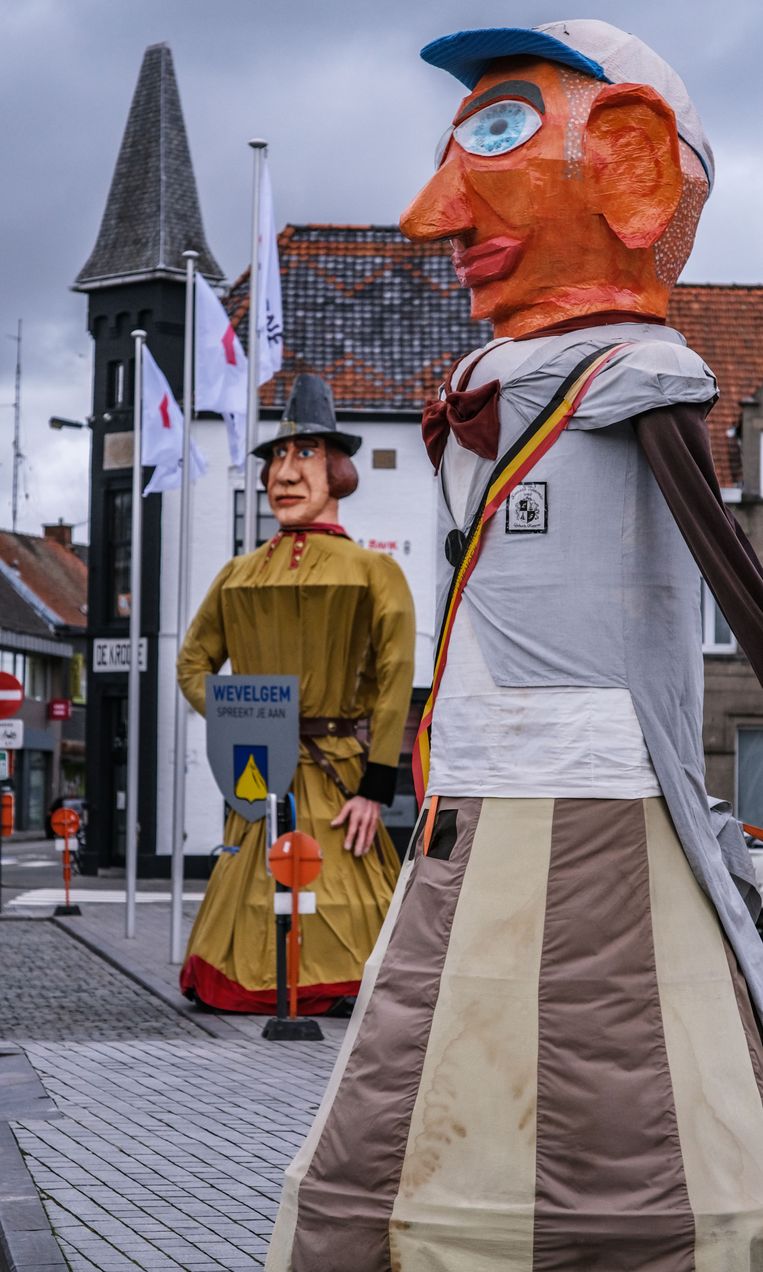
[
  {"x": 65, "y": 822},
  {"x": 295, "y": 860}
]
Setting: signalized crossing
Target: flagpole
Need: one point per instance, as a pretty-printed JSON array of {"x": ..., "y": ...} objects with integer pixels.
[
  {"x": 181, "y": 709},
  {"x": 133, "y": 681},
  {"x": 259, "y": 148}
]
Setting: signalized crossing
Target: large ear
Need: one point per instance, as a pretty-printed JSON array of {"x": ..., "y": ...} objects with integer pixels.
[{"x": 633, "y": 165}]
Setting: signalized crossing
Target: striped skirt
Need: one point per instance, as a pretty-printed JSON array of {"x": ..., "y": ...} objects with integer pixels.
[{"x": 553, "y": 1064}]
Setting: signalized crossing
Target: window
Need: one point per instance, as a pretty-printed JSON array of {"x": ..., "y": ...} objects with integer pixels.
[
  {"x": 750, "y": 775},
  {"x": 717, "y": 636},
  {"x": 267, "y": 525},
  {"x": 36, "y": 678},
  {"x": 115, "y": 383},
  {"x": 119, "y": 557},
  {"x": 13, "y": 663},
  {"x": 238, "y": 522},
  {"x": 78, "y": 679}
]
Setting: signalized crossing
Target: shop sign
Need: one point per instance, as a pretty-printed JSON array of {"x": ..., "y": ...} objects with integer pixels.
[
  {"x": 112, "y": 653},
  {"x": 60, "y": 709}
]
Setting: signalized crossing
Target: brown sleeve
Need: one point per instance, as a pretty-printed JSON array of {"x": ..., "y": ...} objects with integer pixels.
[{"x": 676, "y": 443}]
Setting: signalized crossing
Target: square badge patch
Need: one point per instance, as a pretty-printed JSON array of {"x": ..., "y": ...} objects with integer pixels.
[{"x": 527, "y": 509}]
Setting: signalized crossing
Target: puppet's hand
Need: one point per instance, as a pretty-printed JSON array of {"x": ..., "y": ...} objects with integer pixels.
[{"x": 363, "y": 818}]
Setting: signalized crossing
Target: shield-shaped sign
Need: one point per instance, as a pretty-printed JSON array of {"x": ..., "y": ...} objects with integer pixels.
[{"x": 252, "y": 738}]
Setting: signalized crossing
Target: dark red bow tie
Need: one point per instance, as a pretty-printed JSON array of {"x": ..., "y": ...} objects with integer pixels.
[{"x": 471, "y": 415}]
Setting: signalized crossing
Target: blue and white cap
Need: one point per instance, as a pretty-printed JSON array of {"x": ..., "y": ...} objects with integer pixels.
[{"x": 585, "y": 44}]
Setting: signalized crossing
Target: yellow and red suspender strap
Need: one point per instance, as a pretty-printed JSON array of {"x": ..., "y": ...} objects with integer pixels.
[{"x": 538, "y": 437}]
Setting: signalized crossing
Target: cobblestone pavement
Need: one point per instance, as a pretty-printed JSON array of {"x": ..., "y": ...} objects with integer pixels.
[
  {"x": 150, "y": 950},
  {"x": 53, "y": 987},
  {"x": 172, "y": 1145}
]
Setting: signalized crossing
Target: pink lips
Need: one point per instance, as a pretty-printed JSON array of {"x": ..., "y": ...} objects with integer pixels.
[{"x": 485, "y": 262}]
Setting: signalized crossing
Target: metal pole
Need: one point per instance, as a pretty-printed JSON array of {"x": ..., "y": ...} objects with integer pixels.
[
  {"x": 133, "y": 683},
  {"x": 16, "y": 434},
  {"x": 181, "y": 708},
  {"x": 259, "y": 148}
]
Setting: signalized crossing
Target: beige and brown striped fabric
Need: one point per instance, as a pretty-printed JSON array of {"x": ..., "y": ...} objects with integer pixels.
[{"x": 553, "y": 1066}]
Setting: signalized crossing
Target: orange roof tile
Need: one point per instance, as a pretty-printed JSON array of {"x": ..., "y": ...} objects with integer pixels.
[
  {"x": 724, "y": 324},
  {"x": 53, "y": 572}
]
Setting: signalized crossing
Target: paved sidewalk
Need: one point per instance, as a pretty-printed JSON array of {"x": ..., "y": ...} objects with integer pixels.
[{"x": 172, "y": 1143}]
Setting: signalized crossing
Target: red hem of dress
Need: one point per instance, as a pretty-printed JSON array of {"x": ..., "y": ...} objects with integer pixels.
[{"x": 199, "y": 979}]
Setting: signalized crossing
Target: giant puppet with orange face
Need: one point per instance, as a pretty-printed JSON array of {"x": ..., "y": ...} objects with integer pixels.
[{"x": 555, "y": 1060}]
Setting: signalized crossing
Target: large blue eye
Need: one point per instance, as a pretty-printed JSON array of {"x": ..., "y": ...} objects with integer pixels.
[{"x": 498, "y": 128}]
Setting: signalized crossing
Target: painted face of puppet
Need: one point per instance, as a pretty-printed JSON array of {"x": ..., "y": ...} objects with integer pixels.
[
  {"x": 298, "y": 483},
  {"x": 558, "y": 195}
]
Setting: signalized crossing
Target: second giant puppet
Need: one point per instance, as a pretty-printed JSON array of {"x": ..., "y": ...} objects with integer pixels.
[
  {"x": 554, "y": 1062},
  {"x": 309, "y": 603}
]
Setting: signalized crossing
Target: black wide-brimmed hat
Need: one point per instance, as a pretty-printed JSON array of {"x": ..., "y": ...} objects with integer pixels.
[{"x": 310, "y": 413}]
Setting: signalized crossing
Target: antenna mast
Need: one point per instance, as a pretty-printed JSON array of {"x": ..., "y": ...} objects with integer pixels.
[{"x": 17, "y": 456}]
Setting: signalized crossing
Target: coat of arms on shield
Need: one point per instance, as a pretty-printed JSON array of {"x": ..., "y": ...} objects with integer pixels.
[{"x": 252, "y": 738}]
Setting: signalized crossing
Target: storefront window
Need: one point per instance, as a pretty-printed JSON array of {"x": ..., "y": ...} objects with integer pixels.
[{"x": 37, "y": 772}]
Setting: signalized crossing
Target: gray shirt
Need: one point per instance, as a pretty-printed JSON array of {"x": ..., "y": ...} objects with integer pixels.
[{"x": 608, "y": 595}]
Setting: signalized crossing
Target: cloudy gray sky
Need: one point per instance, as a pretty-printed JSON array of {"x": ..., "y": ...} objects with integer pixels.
[{"x": 351, "y": 115}]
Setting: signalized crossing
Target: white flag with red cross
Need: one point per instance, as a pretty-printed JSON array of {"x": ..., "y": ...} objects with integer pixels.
[
  {"x": 220, "y": 368},
  {"x": 162, "y": 431}
]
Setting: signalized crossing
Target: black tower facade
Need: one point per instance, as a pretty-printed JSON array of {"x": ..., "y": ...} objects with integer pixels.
[{"x": 134, "y": 278}]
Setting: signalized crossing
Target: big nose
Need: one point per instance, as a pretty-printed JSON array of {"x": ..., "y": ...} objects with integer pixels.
[
  {"x": 441, "y": 209},
  {"x": 289, "y": 468}
]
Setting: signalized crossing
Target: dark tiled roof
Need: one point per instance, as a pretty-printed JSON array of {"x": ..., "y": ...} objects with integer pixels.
[
  {"x": 54, "y": 573},
  {"x": 17, "y": 615},
  {"x": 725, "y": 326},
  {"x": 382, "y": 319},
  {"x": 152, "y": 213}
]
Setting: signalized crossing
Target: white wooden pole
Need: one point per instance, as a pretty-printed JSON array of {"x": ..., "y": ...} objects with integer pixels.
[
  {"x": 259, "y": 150},
  {"x": 133, "y": 681},
  {"x": 181, "y": 706}
]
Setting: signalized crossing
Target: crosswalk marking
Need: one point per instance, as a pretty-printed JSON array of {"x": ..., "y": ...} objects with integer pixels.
[{"x": 82, "y": 896}]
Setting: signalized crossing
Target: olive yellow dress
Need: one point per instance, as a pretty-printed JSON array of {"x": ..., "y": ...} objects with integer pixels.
[{"x": 340, "y": 618}]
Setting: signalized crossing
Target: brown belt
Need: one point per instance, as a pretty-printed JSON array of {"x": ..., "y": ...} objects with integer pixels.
[
  {"x": 327, "y": 726},
  {"x": 323, "y": 727}
]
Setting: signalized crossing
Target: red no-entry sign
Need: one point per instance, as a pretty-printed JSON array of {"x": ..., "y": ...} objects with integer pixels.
[{"x": 11, "y": 695}]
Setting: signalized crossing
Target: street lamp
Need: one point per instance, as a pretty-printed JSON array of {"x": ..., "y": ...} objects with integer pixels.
[{"x": 55, "y": 421}]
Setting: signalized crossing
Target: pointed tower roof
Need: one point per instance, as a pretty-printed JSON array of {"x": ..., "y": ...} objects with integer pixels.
[{"x": 152, "y": 213}]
